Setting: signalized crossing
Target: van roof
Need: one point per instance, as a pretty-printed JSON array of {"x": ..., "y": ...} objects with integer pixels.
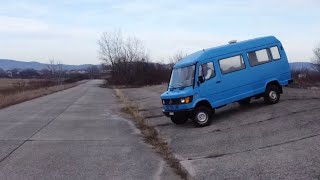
[{"x": 225, "y": 49}]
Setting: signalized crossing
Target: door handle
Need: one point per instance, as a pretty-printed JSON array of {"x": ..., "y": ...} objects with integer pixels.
[{"x": 218, "y": 82}]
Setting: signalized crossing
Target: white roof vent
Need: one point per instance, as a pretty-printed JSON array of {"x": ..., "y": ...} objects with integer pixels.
[{"x": 232, "y": 42}]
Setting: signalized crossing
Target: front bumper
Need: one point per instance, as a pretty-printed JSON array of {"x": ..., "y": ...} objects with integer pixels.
[{"x": 186, "y": 112}]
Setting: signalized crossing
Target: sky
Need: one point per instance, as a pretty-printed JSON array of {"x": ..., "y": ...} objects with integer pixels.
[{"x": 68, "y": 30}]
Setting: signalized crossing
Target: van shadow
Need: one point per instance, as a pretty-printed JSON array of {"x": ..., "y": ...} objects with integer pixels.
[
  {"x": 225, "y": 113},
  {"x": 234, "y": 109}
]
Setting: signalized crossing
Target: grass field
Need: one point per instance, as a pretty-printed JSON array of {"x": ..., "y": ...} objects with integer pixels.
[
  {"x": 13, "y": 91},
  {"x": 10, "y": 83},
  {"x": 13, "y": 86}
]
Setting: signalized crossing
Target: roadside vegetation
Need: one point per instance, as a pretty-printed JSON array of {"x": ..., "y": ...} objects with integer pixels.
[
  {"x": 17, "y": 91},
  {"x": 152, "y": 136},
  {"x": 306, "y": 78},
  {"x": 22, "y": 85},
  {"x": 129, "y": 63}
]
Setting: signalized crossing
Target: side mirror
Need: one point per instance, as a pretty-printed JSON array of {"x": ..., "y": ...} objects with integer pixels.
[{"x": 201, "y": 79}]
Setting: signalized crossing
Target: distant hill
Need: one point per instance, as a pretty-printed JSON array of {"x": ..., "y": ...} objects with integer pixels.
[
  {"x": 301, "y": 66},
  {"x": 12, "y": 64},
  {"x": 7, "y": 64}
]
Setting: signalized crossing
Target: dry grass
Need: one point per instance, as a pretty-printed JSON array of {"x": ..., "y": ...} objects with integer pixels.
[
  {"x": 11, "y": 99},
  {"x": 151, "y": 136},
  {"x": 10, "y": 83}
]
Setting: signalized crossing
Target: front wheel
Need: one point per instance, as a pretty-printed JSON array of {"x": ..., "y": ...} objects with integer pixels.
[
  {"x": 272, "y": 94},
  {"x": 179, "y": 119},
  {"x": 202, "y": 116}
]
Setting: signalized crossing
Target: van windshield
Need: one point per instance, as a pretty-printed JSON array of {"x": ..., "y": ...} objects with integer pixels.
[{"x": 182, "y": 77}]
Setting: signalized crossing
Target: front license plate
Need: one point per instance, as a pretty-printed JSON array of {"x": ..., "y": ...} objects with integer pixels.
[{"x": 171, "y": 113}]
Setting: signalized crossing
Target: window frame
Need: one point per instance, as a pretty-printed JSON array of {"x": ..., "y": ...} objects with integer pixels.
[
  {"x": 244, "y": 62},
  {"x": 268, "y": 53},
  {"x": 214, "y": 70},
  {"x": 276, "y": 46}
]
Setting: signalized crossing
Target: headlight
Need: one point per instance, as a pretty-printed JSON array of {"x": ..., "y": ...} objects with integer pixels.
[
  {"x": 182, "y": 100},
  {"x": 185, "y": 100}
]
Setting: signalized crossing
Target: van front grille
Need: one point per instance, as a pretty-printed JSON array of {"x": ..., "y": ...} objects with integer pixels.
[{"x": 171, "y": 101}]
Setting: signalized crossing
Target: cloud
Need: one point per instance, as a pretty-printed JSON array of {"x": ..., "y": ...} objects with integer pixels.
[
  {"x": 23, "y": 8},
  {"x": 22, "y": 25},
  {"x": 33, "y": 28},
  {"x": 72, "y": 26}
]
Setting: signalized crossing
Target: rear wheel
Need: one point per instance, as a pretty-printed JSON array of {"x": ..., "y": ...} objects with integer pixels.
[
  {"x": 244, "y": 102},
  {"x": 179, "y": 119},
  {"x": 272, "y": 94},
  {"x": 202, "y": 116}
]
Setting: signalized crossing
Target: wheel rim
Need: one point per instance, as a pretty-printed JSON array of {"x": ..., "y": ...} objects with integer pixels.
[
  {"x": 273, "y": 95},
  {"x": 202, "y": 117}
]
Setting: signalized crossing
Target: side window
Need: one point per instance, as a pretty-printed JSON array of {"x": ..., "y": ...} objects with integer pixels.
[
  {"x": 200, "y": 71},
  {"x": 275, "y": 53},
  {"x": 231, "y": 64},
  {"x": 259, "y": 57},
  {"x": 208, "y": 70}
]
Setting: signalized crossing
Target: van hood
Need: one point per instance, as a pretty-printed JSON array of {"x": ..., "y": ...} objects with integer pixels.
[{"x": 177, "y": 93}]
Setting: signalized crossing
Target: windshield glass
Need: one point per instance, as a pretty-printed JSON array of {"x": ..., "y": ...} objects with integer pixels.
[{"x": 182, "y": 77}]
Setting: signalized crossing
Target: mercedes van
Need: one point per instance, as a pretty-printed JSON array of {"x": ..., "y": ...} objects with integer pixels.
[{"x": 214, "y": 77}]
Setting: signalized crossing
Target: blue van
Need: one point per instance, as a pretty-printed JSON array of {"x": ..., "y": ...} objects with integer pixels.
[{"x": 236, "y": 72}]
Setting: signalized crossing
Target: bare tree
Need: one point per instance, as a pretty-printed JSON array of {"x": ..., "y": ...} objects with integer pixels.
[
  {"x": 56, "y": 70},
  {"x": 316, "y": 60},
  {"x": 2, "y": 73},
  {"x": 177, "y": 57},
  {"x": 93, "y": 72},
  {"x": 120, "y": 52},
  {"x": 51, "y": 66},
  {"x": 59, "y": 72}
]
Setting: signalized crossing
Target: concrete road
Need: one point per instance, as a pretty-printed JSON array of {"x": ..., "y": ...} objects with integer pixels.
[
  {"x": 78, "y": 133},
  {"x": 280, "y": 141}
]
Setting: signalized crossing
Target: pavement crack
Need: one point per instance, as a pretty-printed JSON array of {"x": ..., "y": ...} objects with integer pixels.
[
  {"x": 212, "y": 156},
  {"x": 139, "y": 99},
  {"x": 153, "y": 116},
  {"x": 68, "y": 140},
  {"x": 148, "y": 109},
  {"x": 301, "y": 99},
  {"x": 269, "y": 119},
  {"x": 28, "y": 139},
  {"x": 164, "y": 124}
]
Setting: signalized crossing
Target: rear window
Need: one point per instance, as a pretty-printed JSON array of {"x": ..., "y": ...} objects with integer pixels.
[
  {"x": 259, "y": 57},
  {"x": 275, "y": 53},
  {"x": 231, "y": 64}
]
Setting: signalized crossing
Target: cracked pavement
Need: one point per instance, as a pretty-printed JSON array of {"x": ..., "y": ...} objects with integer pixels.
[
  {"x": 78, "y": 133},
  {"x": 259, "y": 141}
]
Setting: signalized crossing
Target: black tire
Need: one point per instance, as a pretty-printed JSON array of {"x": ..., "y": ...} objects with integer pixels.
[
  {"x": 179, "y": 119},
  {"x": 272, "y": 94},
  {"x": 244, "y": 102},
  {"x": 202, "y": 116}
]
